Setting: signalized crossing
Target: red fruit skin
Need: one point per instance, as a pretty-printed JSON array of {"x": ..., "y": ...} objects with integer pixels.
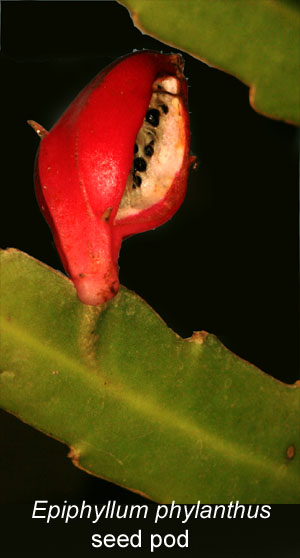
[{"x": 83, "y": 164}]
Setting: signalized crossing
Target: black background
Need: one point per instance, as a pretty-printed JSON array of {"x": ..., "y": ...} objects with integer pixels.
[{"x": 226, "y": 263}]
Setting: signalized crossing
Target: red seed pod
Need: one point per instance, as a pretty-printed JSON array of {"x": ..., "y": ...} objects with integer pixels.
[{"x": 115, "y": 164}]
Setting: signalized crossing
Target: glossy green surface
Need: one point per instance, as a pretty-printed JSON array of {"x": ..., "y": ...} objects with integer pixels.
[
  {"x": 257, "y": 41},
  {"x": 175, "y": 419}
]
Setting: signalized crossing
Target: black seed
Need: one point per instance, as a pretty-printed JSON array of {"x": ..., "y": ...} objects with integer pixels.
[
  {"x": 136, "y": 148},
  {"x": 152, "y": 117},
  {"x": 165, "y": 109},
  {"x": 149, "y": 150},
  {"x": 137, "y": 180},
  {"x": 139, "y": 164}
]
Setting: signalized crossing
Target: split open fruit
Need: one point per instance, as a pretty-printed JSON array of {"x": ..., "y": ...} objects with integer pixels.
[{"x": 115, "y": 164}]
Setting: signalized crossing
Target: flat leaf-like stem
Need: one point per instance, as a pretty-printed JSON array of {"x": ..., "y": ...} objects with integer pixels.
[
  {"x": 173, "y": 419},
  {"x": 255, "y": 40}
]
